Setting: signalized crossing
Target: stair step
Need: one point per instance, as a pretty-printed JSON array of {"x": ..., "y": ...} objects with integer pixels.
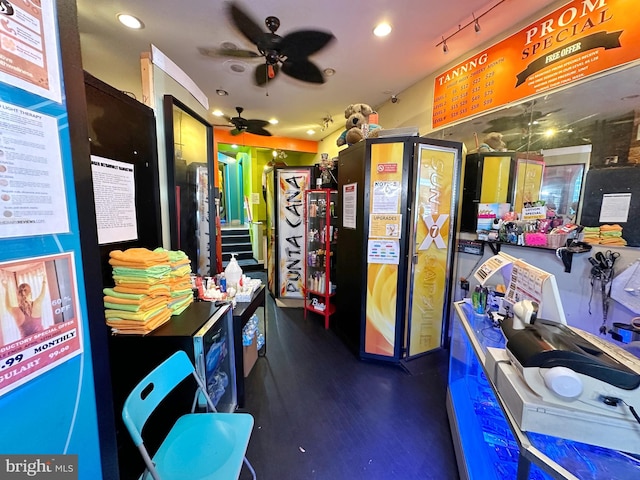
[
  {"x": 244, "y": 247},
  {"x": 236, "y": 239},
  {"x": 239, "y": 256},
  {"x": 235, "y": 231},
  {"x": 247, "y": 265}
]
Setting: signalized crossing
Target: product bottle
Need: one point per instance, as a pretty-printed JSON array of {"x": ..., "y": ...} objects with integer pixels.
[
  {"x": 223, "y": 283},
  {"x": 233, "y": 272}
]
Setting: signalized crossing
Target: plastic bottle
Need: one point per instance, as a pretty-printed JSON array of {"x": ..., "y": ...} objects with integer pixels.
[
  {"x": 223, "y": 283},
  {"x": 233, "y": 272}
]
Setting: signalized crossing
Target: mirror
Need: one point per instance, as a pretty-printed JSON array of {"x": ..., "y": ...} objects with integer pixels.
[
  {"x": 590, "y": 124},
  {"x": 190, "y": 178}
]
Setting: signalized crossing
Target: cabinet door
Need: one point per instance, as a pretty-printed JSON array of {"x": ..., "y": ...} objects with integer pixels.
[{"x": 436, "y": 189}]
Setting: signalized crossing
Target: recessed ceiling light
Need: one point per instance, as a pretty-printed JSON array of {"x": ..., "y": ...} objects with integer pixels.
[
  {"x": 310, "y": 132},
  {"x": 217, "y": 113},
  {"x": 234, "y": 146},
  {"x": 382, "y": 29},
  {"x": 222, "y": 93},
  {"x": 130, "y": 21},
  {"x": 274, "y": 153},
  {"x": 273, "y": 121},
  {"x": 329, "y": 71}
]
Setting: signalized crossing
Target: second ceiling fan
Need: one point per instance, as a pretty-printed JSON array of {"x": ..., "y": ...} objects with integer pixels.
[{"x": 242, "y": 125}]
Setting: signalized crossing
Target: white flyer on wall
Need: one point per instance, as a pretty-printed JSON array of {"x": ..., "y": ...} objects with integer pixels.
[
  {"x": 32, "y": 195},
  {"x": 383, "y": 251},
  {"x": 615, "y": 207},
  {"x": 349, "y": 203},
  {"x": 386, "y": 196},
  {"x": 114, "y": 192}
]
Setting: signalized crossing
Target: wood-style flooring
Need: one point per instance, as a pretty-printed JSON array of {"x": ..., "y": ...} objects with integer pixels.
[{"x": 321, "y": 413}]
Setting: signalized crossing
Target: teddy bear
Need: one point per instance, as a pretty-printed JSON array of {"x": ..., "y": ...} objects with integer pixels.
[
  {"x": 357, "y": 115},
  {"x": 492, "y": 143}
]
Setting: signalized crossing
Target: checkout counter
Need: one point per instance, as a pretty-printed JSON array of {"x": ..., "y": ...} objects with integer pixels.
[
  {"x": 530, "y": 397},
  {"x": 488, "y": 441}
]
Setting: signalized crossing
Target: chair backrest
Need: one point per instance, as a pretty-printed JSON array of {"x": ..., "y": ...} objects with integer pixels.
[{"x": 152, "y": 389}]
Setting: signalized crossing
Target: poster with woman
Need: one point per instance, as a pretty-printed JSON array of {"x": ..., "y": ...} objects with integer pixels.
[{"x": 40, "y": 326}]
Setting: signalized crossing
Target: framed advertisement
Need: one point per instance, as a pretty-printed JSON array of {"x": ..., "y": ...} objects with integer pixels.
[{"x": 40, "y": 324}]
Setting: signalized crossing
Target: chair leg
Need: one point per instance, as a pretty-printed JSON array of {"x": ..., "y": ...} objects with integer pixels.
[{"x": 253, "y": 472}]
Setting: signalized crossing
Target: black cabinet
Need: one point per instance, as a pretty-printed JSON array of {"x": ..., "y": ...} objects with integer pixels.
[{"x": 205, "y": 333}]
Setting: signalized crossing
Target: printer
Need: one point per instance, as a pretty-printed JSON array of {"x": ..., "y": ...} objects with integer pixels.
[{"x": 562, "y": 381}]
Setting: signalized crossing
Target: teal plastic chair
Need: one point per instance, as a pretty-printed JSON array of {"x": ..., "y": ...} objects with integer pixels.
[{"x": 199, "y": 446}]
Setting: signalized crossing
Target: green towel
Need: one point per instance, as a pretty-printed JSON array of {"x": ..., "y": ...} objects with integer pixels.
[
  {"x": 174, "y": 255},
  {"x": 131, "y": 296},
  {"x": 157, "y": 271}
]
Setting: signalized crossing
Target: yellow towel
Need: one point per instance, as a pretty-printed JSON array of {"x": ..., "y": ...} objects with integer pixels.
[
  {"x": 133, "y": 327},
  {"x": 141, "y": 316},
  {"x": 147, "y": 303}
]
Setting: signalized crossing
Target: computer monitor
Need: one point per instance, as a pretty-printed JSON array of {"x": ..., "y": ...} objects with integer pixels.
[{"x": 523, "y": 281}]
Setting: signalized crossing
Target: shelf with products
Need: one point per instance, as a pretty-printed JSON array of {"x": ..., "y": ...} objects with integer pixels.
[{"x": 320, "y": 251}]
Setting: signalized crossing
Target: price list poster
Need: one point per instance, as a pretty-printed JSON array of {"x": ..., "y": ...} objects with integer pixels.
[
  {"x": 578, "y": 40},
  {"x": 41, "y": 316}
]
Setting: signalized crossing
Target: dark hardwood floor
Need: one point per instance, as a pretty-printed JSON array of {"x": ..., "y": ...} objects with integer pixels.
[{"x": 321, "y": 413}]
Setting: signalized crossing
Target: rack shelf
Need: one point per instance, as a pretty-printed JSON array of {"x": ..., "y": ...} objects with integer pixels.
[{"x": 320, "y": 252}]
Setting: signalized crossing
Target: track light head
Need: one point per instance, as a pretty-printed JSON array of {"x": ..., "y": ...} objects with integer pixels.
[
  {"x": 445, "y": 49},
  {"x": 476, "y": 24}
]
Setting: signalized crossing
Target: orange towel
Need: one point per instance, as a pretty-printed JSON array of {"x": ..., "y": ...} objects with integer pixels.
[
  {"x": 140, "y": 257},
  {"x": 157, "y": 290}
]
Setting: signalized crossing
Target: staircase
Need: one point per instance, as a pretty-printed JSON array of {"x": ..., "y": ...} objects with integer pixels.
[{"x": 237, "y": 240}]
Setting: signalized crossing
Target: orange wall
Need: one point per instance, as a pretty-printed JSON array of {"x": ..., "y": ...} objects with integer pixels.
[{"x": 221, "y": 135}]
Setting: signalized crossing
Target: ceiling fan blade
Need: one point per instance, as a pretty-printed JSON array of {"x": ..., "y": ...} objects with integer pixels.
[
  {"x": 262, "y": 75},
  {"x": 258, "y": 131},
  {"x": 245, "y": 24},
  {"x": 303, "y": 43},
  {"x": 228, "y": 52},
  {"x": 303, "y": 70},
  {"x": 257, "y": 123}
]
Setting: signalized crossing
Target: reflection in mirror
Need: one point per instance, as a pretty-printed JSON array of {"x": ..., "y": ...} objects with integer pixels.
[
  {"x": 588, "y": 124},
  {"x": 188, "y": 140}
]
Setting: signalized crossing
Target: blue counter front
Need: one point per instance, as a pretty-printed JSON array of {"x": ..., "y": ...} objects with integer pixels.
[{"x": 489, "y": 445}]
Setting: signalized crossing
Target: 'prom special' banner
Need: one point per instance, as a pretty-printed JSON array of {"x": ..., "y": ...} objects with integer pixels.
[{"x": 576, "y": 41}]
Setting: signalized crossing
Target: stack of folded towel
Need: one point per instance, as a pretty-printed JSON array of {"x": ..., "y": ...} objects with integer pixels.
[
  {"x": 591, "y": 235},
  {"x": 138, "y": 302},
  {"x": 611, "y": 236},
  {"x": 179, "y": 280}
]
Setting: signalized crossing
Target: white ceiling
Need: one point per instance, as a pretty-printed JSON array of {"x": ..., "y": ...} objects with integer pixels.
[{"x": 368, "y": 69}]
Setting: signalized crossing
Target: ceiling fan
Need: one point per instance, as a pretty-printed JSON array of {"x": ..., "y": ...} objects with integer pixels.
[
  {"x": 242, "y": 125},
  {"x": 288, "y": 54}
]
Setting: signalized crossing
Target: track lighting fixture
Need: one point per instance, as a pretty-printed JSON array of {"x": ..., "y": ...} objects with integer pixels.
[{"x": 476, "y": 26}]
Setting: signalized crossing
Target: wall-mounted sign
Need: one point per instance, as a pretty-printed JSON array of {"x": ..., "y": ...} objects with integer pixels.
[
  {"x": 32, "y": 193},
  {"x": 40, "y": 326},
  {"x": 114, "y": 192},
  {"x": 576, "y": 41},
  {"x": 291, "y": 237},
  {"x": 28, "y": 47}
]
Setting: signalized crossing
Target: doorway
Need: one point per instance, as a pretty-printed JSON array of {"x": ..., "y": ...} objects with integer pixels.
[{"x": 231, "y": 189}]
